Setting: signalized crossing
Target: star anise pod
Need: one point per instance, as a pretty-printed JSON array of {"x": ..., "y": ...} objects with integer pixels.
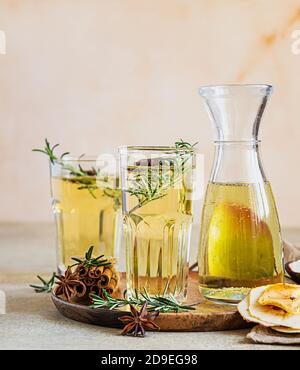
[
  {"x": 139, "y": 321},
  {"x": 69, "y": 285}
]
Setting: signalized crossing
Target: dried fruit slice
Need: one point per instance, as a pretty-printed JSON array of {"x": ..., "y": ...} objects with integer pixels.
[
  {"x": 270, "y": 314},
  {"x": 282, "y": 329},
  {"x": 243, "y": 308},
  {"x": 284, "y": 296}
]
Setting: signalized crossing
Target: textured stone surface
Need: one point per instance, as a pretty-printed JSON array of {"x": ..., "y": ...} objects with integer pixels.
[{"x": 32, "y": 321}]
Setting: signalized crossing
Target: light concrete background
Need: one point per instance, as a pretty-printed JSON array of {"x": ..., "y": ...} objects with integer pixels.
[{"x": 95, "y": 74}]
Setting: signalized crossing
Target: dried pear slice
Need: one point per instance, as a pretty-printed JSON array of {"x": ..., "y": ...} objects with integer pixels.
[
  {"x": 282, "y": 329},
  {"x": 250, "y": 244},
  {"x": 270, "y": 314},
  {"x": 284, "y": 296},
  {"x": 243, "y": 308}
]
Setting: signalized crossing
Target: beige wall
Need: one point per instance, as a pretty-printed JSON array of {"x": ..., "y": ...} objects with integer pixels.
[{"x": 95, "y": 74}]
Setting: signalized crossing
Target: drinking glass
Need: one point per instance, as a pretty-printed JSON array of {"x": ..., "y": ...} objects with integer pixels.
[
  {"x": 157, "y": 188},
  {"x": 87, "y": 207}
]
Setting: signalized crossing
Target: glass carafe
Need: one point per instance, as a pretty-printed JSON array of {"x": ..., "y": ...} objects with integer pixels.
[{"x": 240, "y": 242}]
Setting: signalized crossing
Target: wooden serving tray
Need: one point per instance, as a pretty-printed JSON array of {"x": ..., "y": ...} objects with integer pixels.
[{"x": 207, "y": 316}]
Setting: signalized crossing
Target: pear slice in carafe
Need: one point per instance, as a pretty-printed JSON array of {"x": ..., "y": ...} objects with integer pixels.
[{"x": 240, "y": 245}]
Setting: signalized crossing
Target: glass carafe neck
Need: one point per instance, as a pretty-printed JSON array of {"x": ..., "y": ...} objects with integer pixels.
[
  {"x": 237, "y": 162},
  {"x": 236, "y": 110}
]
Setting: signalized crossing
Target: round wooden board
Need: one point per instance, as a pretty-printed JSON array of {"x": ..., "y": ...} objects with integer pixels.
[{"x": 207, "y": 316}]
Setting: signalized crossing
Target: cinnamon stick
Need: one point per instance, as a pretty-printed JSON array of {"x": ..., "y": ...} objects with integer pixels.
[
  {"x": 105, "y": 278},
  {"x": 112, "y": 286},
  {"x": 94, "y": 289},
  {"x": 98, "y": 271},
  {"x": 88, "y": 281},
  {"x": 79, "y": 290},
  {"x": 91, "y": 273},
  {"x": 82, "y": 271}
]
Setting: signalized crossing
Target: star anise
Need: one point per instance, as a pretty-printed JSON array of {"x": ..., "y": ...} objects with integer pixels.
[
  {"x": 69, "y": 285},
  {"x": 139, "y": 321}
]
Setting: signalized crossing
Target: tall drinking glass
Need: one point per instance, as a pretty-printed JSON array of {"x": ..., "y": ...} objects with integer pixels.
[
  {"x": 86, "y": 204},
  {"x": 157, "y": 187}
]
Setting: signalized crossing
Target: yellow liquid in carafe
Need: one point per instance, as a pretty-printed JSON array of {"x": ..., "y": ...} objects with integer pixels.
[
  {"x": 84, "y": 218},
  {"x": 240, "y": 243}
]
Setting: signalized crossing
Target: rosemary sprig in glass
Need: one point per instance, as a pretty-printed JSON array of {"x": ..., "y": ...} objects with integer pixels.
[
  {"x": 86, "y": 179},
  {"x": 90, "y": 261},
  {"x": 184, "y": 145},
  {"x": 49, "y": 151},
  {"x": 165, "y": 303},
  {"x": 151, "y": 184},
  {"x": 46, "y": 286}
]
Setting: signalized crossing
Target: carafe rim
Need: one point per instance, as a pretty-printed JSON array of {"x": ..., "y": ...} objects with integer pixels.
[{"x": 224, "y": 90}]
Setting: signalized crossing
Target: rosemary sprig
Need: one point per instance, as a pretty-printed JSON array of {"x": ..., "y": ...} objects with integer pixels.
[
  {"x": 87, "y": 179},
  {"x": 115, "y": 194},
  {"x": 49, "y": 151},
  {"x": 148, "y": 187},
  {"x": 90, "y": 188},
  {"x": 90, "y": 261},
  {"x": 46, "y": 286},
  {"x": 184, "y": 145},
  {"x": 165, "y": 303},
  {"x": 152, "y": 184}
]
